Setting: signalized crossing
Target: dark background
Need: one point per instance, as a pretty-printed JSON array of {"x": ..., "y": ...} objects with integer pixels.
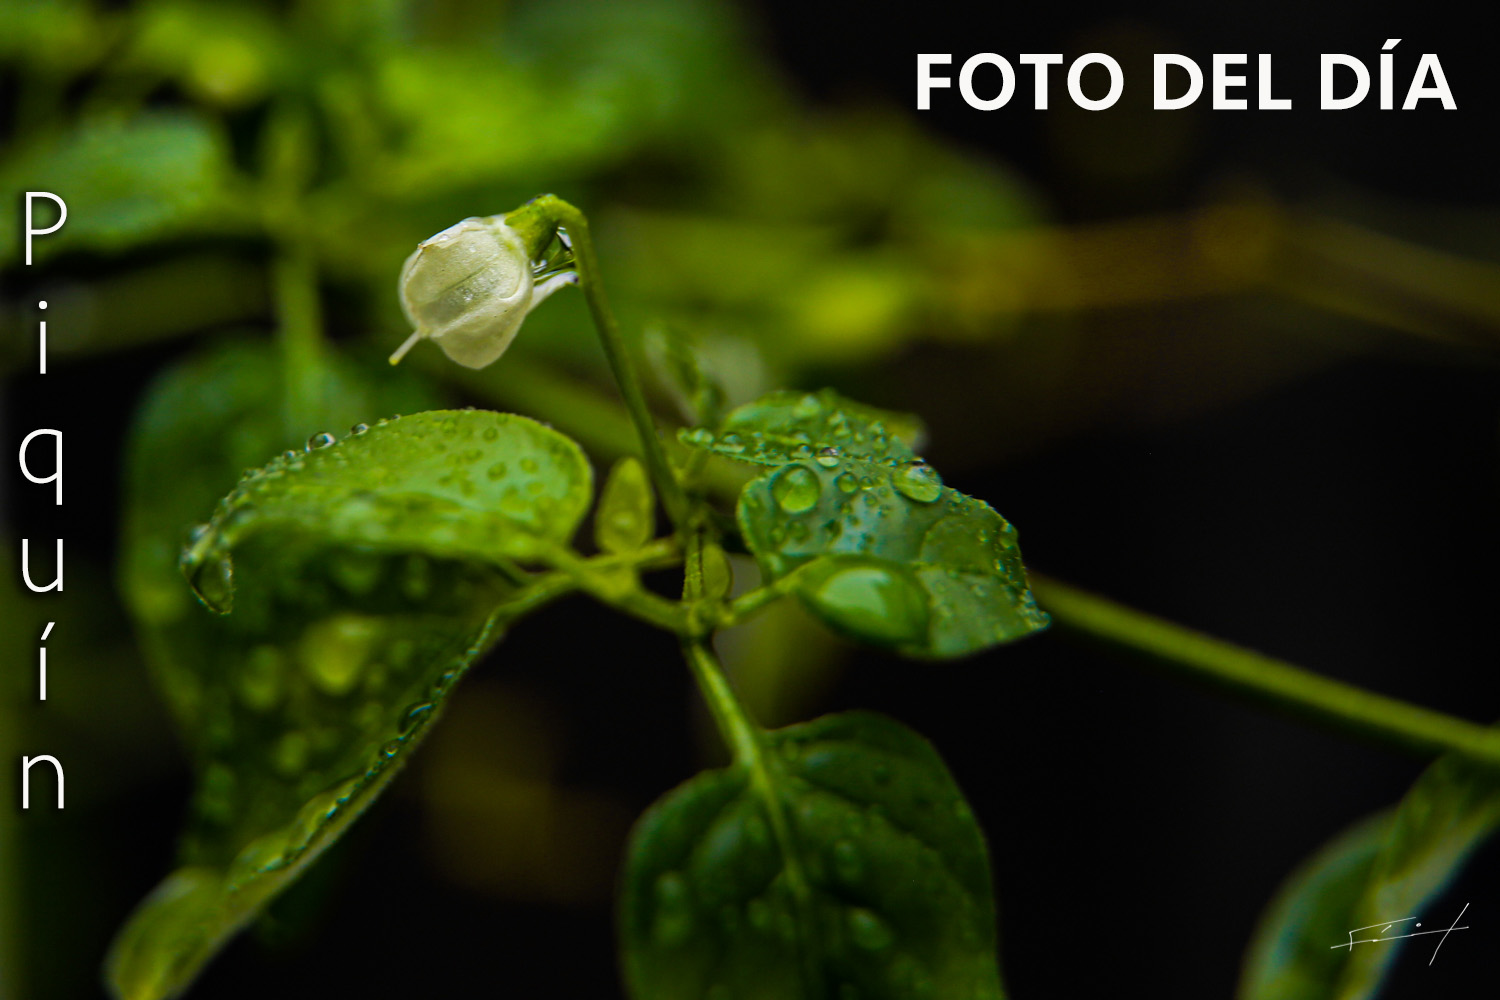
[{"x": 1339, "y": 513}]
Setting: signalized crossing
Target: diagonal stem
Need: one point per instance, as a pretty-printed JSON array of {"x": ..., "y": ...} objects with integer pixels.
[
  {"x": 1266, "y": 679},
  {"x": 554, "y": 212}
]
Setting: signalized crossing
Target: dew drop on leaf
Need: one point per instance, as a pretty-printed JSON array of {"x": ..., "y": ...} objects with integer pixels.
[
  {"x": 916, "y": 480},
  {"x": 322, "y": 440},
  {"x": 876, "y": 602},
  {"x": 795, "y": 489}
]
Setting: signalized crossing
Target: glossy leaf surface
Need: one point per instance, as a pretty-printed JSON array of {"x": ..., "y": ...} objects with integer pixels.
[
  {"x": 883, "y": 551},
  {"x": 346, "y": 634},
  {"x": 850, "y": 867}
]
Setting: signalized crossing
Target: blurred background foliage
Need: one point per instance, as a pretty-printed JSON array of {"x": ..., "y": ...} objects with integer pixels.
[{"x": 1257, "y": 393}]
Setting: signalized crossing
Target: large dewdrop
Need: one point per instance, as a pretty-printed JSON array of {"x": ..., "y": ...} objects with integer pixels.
[{"x": 469, "y": 287}]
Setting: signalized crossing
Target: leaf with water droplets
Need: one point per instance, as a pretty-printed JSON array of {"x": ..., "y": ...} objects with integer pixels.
[
  {"x": 346, "y": 636},
  {"x": 1391, "y": 869},
  {"x": 889, "y": 555},
  {"x": 462, "y": 484},
  {"x": 791, "y": 426},
  {"x": 849, "y": 866}
]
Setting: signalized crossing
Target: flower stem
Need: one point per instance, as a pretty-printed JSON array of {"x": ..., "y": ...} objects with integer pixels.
[
  {"x": 1266, "y": 679},
  {"x": 561, "y": 213}
]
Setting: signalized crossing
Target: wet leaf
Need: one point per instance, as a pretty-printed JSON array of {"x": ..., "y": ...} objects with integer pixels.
[
  {"x": 158, "y": 176},
  {"x": 786, "y": 426},
  {"x": 883, "y": 551},
  {"x": 877, "y": 885},
  {"x": 347, "y": 633}
]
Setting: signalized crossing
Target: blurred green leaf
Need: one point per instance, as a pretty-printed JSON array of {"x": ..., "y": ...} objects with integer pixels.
[
  {"x": 159, "y": 175},
  {"x": 1387, "y": 869},
  {"x": 345, "y": 637},
  {"x": 882, "y": 550},
  {"x": 1453, "y": 808},
  {"x": 867, "y": 877},
  {"x": 1292, "y": 956}
]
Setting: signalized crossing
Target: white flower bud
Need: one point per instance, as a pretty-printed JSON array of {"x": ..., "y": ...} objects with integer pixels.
[{"x": 469, "y": 287}]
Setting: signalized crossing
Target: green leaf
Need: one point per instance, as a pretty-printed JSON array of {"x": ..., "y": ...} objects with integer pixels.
[
  {"x": 787, "y": 426},
  {"x": 1453, "y": 808},
  {"x": 846, "y": 863},
  {"x": 347, "y": 633},
  {"x": 160, "y": 175},
  {"x": 1387, "y": 869},
  {"x": 1291, "y": 955},
  {"x": 626, "y": 517},
  {"x": 449, "y": 483},
  {"x": 882, "y": 550}
]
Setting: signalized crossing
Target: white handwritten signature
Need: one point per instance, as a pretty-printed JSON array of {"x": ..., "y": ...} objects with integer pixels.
[{"x": 1397, "y": 937}]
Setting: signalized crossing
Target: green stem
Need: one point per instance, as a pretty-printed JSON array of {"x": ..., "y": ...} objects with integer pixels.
[
  {"x": 1266, "y": 679},
  {"x": 746, "y": 741},
  {"x": 620, "y": 588},
  {"x": 299, "y": 335},
  {"x": 561, "y": 213}
]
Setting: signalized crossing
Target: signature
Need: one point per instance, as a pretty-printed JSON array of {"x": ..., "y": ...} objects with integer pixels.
[{"x": 1398, "y": 937}]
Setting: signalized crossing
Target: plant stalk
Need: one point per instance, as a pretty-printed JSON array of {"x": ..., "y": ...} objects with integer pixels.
[
  {"x": 563, "y": 214},
  {"x": 1266, "y": 679}
]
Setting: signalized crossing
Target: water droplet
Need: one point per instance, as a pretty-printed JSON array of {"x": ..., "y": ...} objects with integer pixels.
[
  {"x": 674, "y": 915},
  {"x": 871, "y": 600},
  {"x": 263, "y": 854},
  {"x": 795, "y": 489},
  {"x": 731, "y": 442},
  {"x": 289, "y": 456},
  {"x": 868, "y": 931},
  {"x": 847, "y": 482},
  {"x": 807, "y": 407},
  {"x": 528, "y": 465},
  {"x": 322, "y": 440},
  {"x": 828, "y": 457},
  {"x": 318, "y": 810},
  {"x": 490, "y": 433},
  {"x": 413, "y": 715},
  {"x": 212, "y": 579},
  {"x": 359, "y": 429},
  {"x": 916, "y": 480}
]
